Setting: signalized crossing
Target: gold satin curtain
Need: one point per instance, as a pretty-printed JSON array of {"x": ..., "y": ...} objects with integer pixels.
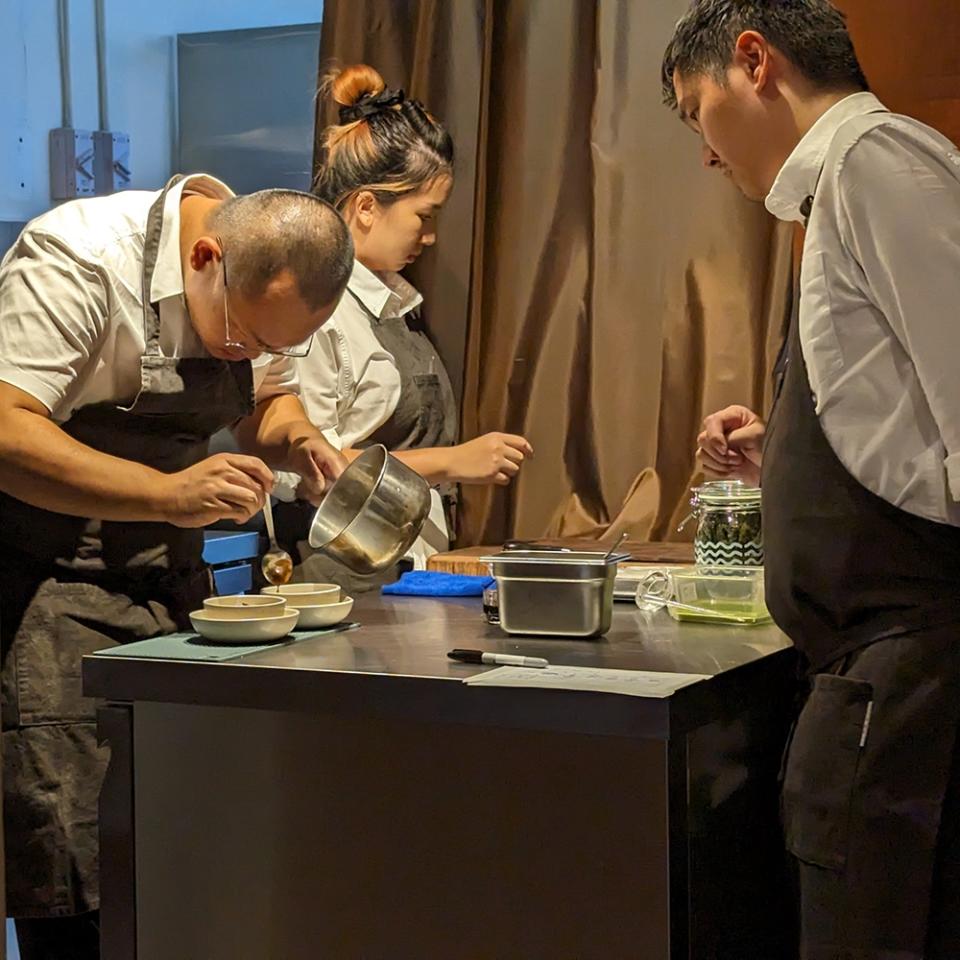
[{"x": 593, "y": 288}]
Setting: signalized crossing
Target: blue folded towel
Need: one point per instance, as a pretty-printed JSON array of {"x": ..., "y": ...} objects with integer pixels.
[{"x": 432, "y": 583}]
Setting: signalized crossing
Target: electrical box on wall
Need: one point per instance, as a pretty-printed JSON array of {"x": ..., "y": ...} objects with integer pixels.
[
  {"x": 111, "y": 161},
  {"x": 71, "y": 164}
]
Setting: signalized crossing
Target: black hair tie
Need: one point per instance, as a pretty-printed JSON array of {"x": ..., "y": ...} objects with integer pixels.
[{"x": 370, "y": 104}]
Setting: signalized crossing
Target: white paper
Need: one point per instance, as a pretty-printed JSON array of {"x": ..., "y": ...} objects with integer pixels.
[{"x": 631, "y": 683}]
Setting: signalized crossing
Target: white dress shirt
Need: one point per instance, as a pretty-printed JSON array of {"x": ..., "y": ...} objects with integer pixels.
[
  {"x": 880, "y": 298},
  {"x": 71, "y": 302},
  {"x": 350, "y": 385}
]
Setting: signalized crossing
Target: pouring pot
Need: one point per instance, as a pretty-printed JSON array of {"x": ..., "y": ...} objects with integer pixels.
[{"x": 372, "y": 514}]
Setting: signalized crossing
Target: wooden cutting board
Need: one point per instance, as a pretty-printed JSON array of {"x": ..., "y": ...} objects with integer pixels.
[{"x": 467, "y": 561}]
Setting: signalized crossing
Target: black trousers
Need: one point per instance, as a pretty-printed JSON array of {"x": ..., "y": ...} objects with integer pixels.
[
  {"x": 60, "y": 938},
  {"x": 871, "y": 803},
  {"x": 944, "y": 935}
]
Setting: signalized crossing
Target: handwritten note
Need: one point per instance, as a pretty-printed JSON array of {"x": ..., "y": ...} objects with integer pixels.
[{"x": 630, "y": 683}]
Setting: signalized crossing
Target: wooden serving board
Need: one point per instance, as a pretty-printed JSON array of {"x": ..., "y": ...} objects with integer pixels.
[{"x": 467, "y": 560}]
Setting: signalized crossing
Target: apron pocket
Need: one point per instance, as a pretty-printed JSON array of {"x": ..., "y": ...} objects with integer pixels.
[
  {"x": 821, "y": 770},
  {"x": 63, "y": 623}
]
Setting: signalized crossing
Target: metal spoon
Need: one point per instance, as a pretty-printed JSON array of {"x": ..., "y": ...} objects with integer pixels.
[
  {"x": 276, "y": 564},
  {"x": 613, "y": 549}
]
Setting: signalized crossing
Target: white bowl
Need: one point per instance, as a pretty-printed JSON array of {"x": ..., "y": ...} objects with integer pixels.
[
  {"x": 306, "y": 587},
  {"x": 305, "y": 593},
  {"x": 315, "y": 616},
  {"x": 255, "y": 630},
  {"x": 242, "y": 607}
]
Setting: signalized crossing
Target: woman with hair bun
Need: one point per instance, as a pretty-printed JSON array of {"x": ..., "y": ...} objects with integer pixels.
[{"x": 372, "y": 375}]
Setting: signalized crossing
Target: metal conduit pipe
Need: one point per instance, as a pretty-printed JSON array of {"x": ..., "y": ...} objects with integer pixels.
[
  {"x": 101, "y": 22},
  {"x": 63, "y": 32}
]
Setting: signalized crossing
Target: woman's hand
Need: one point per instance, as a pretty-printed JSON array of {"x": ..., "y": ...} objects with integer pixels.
[
  {"x": 492, "y": 458},
  {"x": 318, "y": 463}
]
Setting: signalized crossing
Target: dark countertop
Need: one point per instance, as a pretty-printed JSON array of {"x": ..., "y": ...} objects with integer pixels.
[{"x": 396, "y": 665}]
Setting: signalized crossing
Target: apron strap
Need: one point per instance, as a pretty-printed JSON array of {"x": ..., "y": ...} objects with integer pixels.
[
  {"x": 151, "y": 250},
  {"x": 783, "y": 355}
]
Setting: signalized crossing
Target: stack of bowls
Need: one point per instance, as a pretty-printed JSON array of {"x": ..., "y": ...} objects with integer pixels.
[
  {"x": 319, "y": 604},
  {"x": 243, "y": 619}
]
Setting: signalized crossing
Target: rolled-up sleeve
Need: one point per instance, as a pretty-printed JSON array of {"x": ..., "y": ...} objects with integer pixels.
[
  {"x": 273, "y": 376},
  {"x": 901, "y": 220},
  {"x": 53, "y": 312}
]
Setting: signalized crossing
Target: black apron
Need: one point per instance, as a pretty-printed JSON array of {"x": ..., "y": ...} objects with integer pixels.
[
  {"x": 71, "y": 586},
  {"x": 870, "y": 595},
  {"x": 425, "y": 416},
  {"x": 426, "y": 411}
]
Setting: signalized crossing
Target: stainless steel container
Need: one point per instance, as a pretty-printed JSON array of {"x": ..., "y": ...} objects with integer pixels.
[
  {"x": 555, "y": 593},
  {"x": 372, "y": 514}
]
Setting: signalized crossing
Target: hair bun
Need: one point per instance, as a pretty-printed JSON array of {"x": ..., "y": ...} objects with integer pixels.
[
  {"x": 382, "y": 142},
  {"x": 351, "y": 84}
]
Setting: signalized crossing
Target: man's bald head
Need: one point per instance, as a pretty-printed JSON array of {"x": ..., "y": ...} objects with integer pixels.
[{"x": 276, "y": 231}]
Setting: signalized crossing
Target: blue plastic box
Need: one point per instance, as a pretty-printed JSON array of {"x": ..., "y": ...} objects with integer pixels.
[
  {"x": 235, "y": 579},
  {"x": 224, "y": 546},
  {"x": 225, "y": 550}
]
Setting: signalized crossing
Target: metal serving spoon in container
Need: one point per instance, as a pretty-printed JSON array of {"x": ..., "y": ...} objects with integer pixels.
[
  {"x": 623, "y": 536},
  {"x": 276, "y": 564}
]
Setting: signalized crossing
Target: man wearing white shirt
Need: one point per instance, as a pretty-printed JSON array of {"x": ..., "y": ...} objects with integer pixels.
[
  {"x": 132, "y": 327},
  {"x": 860, "y": 464}
]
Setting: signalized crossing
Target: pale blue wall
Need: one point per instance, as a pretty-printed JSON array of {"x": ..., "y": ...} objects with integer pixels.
[{"x": 141, "y": 73}]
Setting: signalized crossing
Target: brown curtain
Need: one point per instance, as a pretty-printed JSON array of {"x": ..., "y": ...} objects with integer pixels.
[
  {"x": 434, "y": 50},
  {"x": 593, "y": 288}
]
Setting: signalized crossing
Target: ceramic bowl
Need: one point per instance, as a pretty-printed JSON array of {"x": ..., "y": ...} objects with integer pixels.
[
  {"x": 305, "y": 593},
  {"x": 254, "y": 630},
  {"x": 316, "y": 616},
  {"x": 242, "y": 607}
]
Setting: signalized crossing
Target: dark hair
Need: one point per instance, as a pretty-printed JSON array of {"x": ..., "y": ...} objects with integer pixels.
[
  {"x": 271, "y": 231},
  {"x": 388, "y": 145},
  {"x": 811, "y": 33}
]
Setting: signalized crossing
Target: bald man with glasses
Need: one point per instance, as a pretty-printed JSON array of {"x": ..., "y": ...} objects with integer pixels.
[{"x": 122, "y": 350}]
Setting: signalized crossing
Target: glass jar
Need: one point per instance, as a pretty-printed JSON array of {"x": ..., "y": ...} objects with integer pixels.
[
  {"x": 491, "y": 603},
  {"x": 729, "y": 524}
]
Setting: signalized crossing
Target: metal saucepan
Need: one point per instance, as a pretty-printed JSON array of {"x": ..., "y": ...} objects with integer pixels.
[{"x": 372, "y": 514}]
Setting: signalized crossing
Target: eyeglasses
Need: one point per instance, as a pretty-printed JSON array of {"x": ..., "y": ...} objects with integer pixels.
[{"x": 298, "y": 350}]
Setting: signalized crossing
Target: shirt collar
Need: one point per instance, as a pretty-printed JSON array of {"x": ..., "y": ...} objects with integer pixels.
[
  {"x": 168, "y": 272},
  {"x": 385, "y": 295},
  {"x": 797, "y": 179}
]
